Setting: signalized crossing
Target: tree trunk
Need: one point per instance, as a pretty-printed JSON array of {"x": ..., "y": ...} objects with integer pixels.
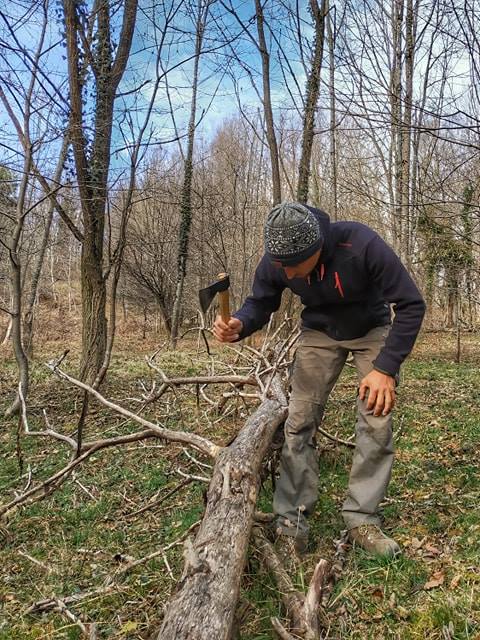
[
  {"x": 396, "y": 122},
  {"x": 94, "y": 320},
  {"x": 312, "y": 93},
  {"x": 333, "y": 119},
  {"x": 186, "y": 204},
  {"x": 204, "y": 603},
  {"x": 37, "y": 270},
  {"x": 20, "y": 355},
  {"x": 407, "y": 130},
  {"x": 92, "y": 162},
  {"x": 267, "y": 106}
]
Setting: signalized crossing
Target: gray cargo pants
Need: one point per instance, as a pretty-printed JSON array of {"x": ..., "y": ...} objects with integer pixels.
[{"x": 319, "y": 361}]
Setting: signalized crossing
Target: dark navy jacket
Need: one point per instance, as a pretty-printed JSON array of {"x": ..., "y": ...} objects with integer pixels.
[{"x": 349, "y": 292}]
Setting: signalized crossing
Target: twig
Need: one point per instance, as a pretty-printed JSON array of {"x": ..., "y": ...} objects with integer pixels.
[
  {"x": 176, "y": 382},
  {"x": 193, "y": 459},
  {"x": 84, "y": 488},
  {"x": 62, "y": 608},
  {"x": 160, "y": 552},
  {"x": 339, "y": 559},
  {"x": 280, "y": 630},
  {"x": 347, "y": 443},
  {"x": 282, "y": 352},
  {"x": 205, "y": 397},
  {"x": 165, "y": 560},
  {"x": 34, "y": 560},
  {"x": 154, "y": 504},
  {"x": 29, "y": 479},
  {"x": 193, "y": 477},
  {"x": 50, "y": 603}
]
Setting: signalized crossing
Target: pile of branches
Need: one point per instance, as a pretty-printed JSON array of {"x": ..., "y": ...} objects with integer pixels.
[{"x": 205, "y": 599}]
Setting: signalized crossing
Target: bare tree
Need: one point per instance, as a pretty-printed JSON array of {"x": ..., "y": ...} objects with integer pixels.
[
  {"x": 311, "y": 99},
  {"x": 92, "y": 158},
  {"x": 186, "y": 195},
  {"x": 27, "y": 198}
]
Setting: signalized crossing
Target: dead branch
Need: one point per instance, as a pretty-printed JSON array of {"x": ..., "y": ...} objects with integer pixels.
[
  {"x": 302, "y": 610},
  {"x": 192, "y": 439},
  {"x": 346, "y": 443},
  {"x": 48, "y": 604},
  {"x": 62, "y": 608},
  {"x": 53, "y": 482}
]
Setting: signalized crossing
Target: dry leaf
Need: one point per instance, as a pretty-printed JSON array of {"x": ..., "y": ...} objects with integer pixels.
[
  {"x": 455, "y": 580},
  {"x": 417, "y": 544},
  {"x": 434, "y": 551},
  {"x": 436, "y": 580}
]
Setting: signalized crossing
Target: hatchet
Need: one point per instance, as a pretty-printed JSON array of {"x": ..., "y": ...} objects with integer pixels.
[{"x": 221, "y": 287}]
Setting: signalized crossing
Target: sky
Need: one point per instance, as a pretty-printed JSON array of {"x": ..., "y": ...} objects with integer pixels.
[
  {"x": 221, "y": 76},
  {"x": 217, "y": 100}
]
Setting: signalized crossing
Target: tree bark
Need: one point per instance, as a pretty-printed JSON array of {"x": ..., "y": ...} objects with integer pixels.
[
  {"x": 186, "y": 202},
  {"x": 204, "y": 603},
  {"x": 312, "y": 93},
  {"x": 267, "y": 106}
]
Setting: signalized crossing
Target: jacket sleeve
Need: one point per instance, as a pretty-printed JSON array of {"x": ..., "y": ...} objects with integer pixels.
[
  {"x": 264, "y": 300},
  {"x": 399, "y": 289}
]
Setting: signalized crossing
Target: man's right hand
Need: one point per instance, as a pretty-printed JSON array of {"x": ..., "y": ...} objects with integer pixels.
[{"x": 227, "y": 332}]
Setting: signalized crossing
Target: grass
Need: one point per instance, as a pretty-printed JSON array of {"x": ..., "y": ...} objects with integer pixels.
[{"x": 74, "y": 539}]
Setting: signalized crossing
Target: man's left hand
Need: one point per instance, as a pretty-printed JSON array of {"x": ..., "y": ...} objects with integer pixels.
[{"x": 381, "y": 392}]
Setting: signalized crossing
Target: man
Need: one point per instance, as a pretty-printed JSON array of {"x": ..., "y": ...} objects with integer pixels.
[{"x": 347, "y": 277}]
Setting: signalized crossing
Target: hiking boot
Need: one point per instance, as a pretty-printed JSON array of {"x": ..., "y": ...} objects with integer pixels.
[{"x": 371, "y": 538}]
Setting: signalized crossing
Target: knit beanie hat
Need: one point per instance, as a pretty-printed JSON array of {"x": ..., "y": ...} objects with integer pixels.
[{"x": 292, "y": 233}]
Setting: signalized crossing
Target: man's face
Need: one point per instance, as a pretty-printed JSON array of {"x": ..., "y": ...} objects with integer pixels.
[{"x": 300, "y": 270}]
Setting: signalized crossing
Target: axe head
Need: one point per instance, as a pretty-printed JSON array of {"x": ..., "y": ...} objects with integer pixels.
[{"x": 207, "y": 295}]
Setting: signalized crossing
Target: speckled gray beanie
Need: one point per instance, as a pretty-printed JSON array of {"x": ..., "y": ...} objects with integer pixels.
[{"x": 292, "y": 233}]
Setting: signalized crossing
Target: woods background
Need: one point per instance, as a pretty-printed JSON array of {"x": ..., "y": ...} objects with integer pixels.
[
  {"x": 142, "y": 145},
  {"x": 152, "y": 151}
]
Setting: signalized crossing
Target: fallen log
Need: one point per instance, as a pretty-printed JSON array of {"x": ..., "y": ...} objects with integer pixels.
[{"x": 204, "y": 602}]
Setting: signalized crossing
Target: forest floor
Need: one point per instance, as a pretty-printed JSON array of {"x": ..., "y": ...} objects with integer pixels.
[{"x": 72, "y": 541}]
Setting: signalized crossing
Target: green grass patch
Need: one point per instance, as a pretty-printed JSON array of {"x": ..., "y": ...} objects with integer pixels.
[{"x": 74, "y": 539}]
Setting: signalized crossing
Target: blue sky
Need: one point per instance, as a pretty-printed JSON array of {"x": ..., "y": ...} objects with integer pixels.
[
  {"x": 176, "y": 57},
  {"x": 216, "y": 91}
]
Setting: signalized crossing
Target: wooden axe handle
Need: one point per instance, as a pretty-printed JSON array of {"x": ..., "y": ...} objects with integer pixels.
[{"x": 224, "y": 298}]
